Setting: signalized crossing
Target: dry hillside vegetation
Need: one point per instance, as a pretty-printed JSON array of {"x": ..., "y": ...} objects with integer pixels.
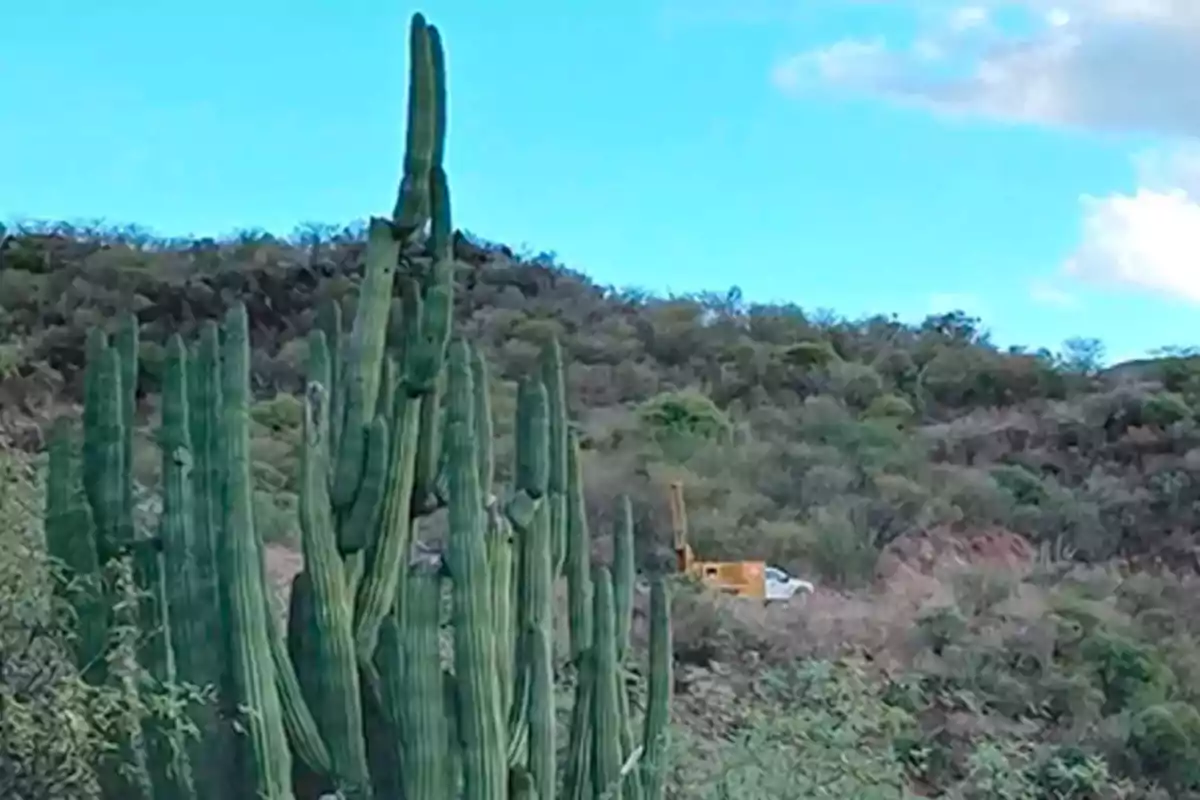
[{"x": 1003, "y": 541}]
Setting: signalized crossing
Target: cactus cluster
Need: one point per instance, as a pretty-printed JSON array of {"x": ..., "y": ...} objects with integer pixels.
[{"x": 357, "y": 695}]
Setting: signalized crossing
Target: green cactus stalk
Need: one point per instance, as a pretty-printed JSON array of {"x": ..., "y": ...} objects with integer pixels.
[
  {"x": 579, "y": 601},
  {"x": 606, "y": 711},
  {"x": 559, "y": 479},
  {"x": 329, "y": 321},
  {"x": 485, "y": 772},
  {"x": 377, "y": 590},
  {"x": 200, "y": 606},
  {"x": 93, "y": 380},
  {"x": 503, "y": 566},
  {"x": 178, "y": 522},
  {"x": 484, "y": 433},
  {"x": 430, "y": 348},
  {"x": 312, "y": 766},
  {"x": 126, "y": 344},
  {"x": 428, "y": 383},
  {"x": 104, "y": 462},
  {"x": 624, "y": 576},
  {"x": 105, "y": 473},
  {"x": 579, "y": 544},
  {"x": 412, "y": 206},
  {"x": 655, "y": 741},
  {"x": 532, "y": 432},
  {"x": 418, "y": 704},
  {"x": 268, "y": 761},
  {"x": 578, "y": 776},
  {"x": 524, "y": 511},
  {"x": 539, "y": 577},
  {"x": 335, "y": 702},
  {"x": 365, "y": 358},
  {"x": 358, "y": 528},
  {"x": 165, "y": 577}
]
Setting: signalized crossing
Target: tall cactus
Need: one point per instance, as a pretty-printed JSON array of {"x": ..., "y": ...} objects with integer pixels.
[
  {"x": 197, "y": 603},
  {"x": 268, "y": 761},
  {"x": 335, "y": 701},
  {"x": 397, "y": 423}
]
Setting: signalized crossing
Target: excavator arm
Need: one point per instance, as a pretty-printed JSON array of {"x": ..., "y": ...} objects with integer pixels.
[{"x": 683, "y": 552}]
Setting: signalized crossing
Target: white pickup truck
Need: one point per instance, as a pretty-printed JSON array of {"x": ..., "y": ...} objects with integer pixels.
[{"x": 782, "y": 586}]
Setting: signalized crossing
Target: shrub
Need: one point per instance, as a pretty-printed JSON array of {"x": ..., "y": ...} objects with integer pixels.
[
  {"x": 820, "y": 729},
  {"x": 57, "y": 731}
]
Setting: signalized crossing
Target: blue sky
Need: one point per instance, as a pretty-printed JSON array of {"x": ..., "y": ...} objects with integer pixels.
[{"x": 905, "y": 156}]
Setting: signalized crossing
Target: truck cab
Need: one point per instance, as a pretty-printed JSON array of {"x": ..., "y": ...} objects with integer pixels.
[{"x": 782, "y": 586}]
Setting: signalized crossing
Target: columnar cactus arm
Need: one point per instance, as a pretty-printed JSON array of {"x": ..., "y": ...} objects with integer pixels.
[
  {"x": 532, "y": 432},
  {"x": 361, "y": 525},
  {"x": 213, "y": 752},
  {"x": 97, "y": 343},
  {"x": 110, "y": 495},
  {"x": 552, "y": 377},
  {"x": 193, "y": 623},
  {"x": 624, "y": 576},
  {"x": 104, "y": 468},
  {"x": 485, "y": 772},
  {"x": 577, "y": 779},
  {"x": 366, "y": 353},
  {"x": 267, "y": 757},
  {"x": 126, "y": 344},
  {"x": 484, "y": 430},
  {"x": 437, "y": 60},
  {"x": 503, "y": 566},
  {"x": 424, "y": 377},
  {"x": 579, "y": 543},
  {"x": 524, "y": 510},
  {"x": 606, "y": 713},
  {"x": 419, "y": 704},
  {"x": 389, "y": 548},
  {"x": 658, "y": 702},
  {"x": 336, "y": 701},
  {"x": 329, "y": 321},
  {"x": 302, "y": 730},
  {"x": 412, "y": 204},
  {"x": 167, "y": 574},
  {"x": 540, "y": 655}
]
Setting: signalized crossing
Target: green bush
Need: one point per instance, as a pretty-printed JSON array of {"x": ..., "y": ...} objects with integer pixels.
[
  {"x": 818, "y": 730},
  {"x": 58, "y": 732}
]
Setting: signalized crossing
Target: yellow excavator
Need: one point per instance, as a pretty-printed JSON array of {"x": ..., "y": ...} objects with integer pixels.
[{"x": 753, "y": 579}]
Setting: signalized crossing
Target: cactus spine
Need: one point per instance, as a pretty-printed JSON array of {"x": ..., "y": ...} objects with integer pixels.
[{"x": 397, "y": 423}]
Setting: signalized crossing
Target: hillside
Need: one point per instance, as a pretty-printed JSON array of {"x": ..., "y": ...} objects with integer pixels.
[{"x": 1004, "y": 541}]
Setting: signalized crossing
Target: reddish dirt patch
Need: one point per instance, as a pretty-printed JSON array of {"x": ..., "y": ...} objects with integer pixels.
[
  {"x": 913, "y": 564},
  {"x": 940, "y": 548}
]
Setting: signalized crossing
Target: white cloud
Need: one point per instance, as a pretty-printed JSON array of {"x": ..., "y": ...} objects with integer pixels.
[
  {"x": 1148, "y": 240},
  {"x": 1114, "y": 65},
  {"x": 1109, "y": 64}
]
